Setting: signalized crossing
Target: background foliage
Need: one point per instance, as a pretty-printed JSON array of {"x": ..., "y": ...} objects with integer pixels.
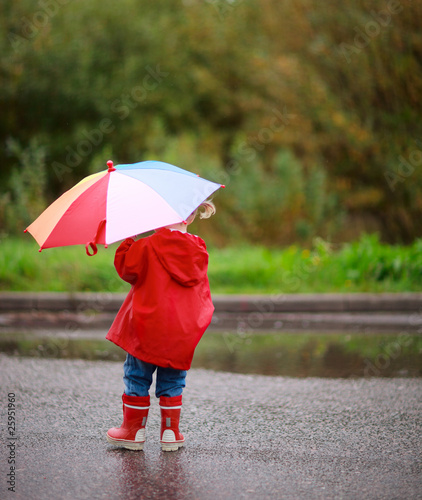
[
  {"x": 308, "y": 111},
  {"x": 365, "y": 265}
]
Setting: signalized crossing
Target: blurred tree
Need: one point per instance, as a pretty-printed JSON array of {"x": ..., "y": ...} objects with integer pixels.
[
  {"x": 307, "y": 110},
  {"x": 360, "y": 79}
]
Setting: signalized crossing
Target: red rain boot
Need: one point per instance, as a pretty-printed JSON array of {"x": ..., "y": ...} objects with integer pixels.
[
  {"x": 171, "y": 439},
  {"x": 131, "y": 434}
]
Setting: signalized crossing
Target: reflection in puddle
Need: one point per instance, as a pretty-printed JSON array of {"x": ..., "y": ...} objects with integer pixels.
[
  {"x": 298, "y": 354},
  {"x": 152, "y": 475},
  {"x": 313, "y": 355}
]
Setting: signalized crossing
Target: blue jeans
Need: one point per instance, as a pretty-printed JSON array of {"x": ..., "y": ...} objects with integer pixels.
[{"x": 138, "y": 378}]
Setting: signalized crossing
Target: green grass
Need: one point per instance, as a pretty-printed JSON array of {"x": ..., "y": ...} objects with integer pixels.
[{"x": 362, "y": 266}]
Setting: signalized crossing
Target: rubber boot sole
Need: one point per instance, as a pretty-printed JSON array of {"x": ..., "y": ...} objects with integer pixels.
[
  {"x": 129, "y": 445},
  {"x": 171, "y": 446}
]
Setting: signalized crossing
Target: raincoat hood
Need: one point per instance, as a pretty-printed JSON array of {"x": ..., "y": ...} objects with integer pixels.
[{"x": 183, "y": 255}]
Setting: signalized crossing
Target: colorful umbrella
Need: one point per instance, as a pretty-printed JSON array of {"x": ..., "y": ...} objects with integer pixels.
[{"x": 120, "y": 202}]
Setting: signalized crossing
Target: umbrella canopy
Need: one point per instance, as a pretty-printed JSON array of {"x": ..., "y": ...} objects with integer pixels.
[{"x": 120, "y": 202}]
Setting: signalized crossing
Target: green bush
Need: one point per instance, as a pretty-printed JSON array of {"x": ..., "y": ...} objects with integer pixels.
[{"x": 369, "y": 259}]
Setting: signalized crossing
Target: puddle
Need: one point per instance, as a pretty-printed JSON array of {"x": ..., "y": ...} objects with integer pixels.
[
  {"x": 314, "y": 355},
  {"x": 288, "y": 354}
]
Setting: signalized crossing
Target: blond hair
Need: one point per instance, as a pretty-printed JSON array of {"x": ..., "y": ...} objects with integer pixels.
[{"x": 205, "y": 209}]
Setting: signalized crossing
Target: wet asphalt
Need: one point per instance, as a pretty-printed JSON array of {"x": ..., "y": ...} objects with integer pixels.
[{"x": 247, "y": 437}]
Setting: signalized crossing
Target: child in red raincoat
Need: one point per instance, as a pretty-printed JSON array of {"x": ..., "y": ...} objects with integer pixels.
[{"x": 159, "y": 325}]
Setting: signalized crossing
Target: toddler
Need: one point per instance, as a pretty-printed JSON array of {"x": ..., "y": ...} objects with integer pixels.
[{"x": 159, "y": 325}]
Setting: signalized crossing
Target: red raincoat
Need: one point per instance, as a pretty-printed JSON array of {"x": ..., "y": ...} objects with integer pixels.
[{"x": 169, "y": 306}]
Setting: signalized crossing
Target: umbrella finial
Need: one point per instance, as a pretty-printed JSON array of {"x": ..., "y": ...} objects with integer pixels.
[{"x": 110, "y": 166}]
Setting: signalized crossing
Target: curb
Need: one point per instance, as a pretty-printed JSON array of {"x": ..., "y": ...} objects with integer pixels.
[
  {"x": 111, "y": 302},
  {"x": 243, "y": 314}
]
